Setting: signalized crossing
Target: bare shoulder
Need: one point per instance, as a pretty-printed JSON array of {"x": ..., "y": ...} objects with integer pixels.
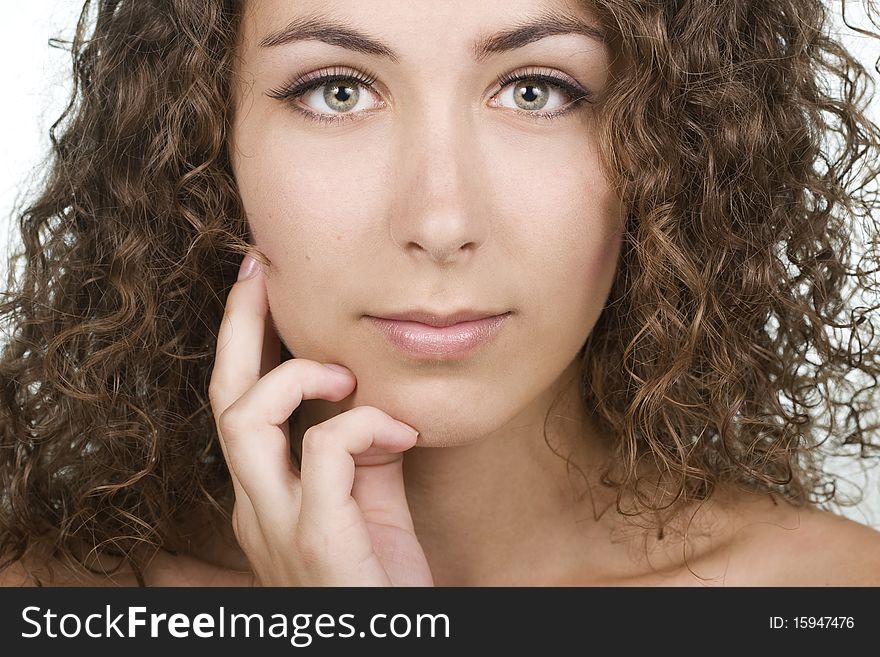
[
  {"x": 162, "y": 570},
  {"x": 784, "y": 545},
  {"x": 29, "y": 573},
  {"x": 16, "y": 575}
]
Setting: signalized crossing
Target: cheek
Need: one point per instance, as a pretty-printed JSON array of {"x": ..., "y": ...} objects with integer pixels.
[
  {"x": 565, "y": 227},
  {"x": 310, "y": 205},
  {"x": 315, "y": 220},
  {"x": 571, "y": 244},
  {"x": 577, "y": 280},
  {"x": 302, "y": 191}
]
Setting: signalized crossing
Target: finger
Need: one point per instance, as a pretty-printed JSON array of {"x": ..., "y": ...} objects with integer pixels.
[
  {"x": 329, "y": 453},
  {"x": 239, "y": 355},
  {"x": 256, "y": 447}
]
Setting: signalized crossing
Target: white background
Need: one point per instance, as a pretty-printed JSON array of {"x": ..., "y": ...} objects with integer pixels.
[{"x": 35, "y": 80}]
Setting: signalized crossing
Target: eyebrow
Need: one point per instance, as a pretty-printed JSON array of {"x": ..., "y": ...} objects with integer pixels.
[{"x": 334, "y": 32}]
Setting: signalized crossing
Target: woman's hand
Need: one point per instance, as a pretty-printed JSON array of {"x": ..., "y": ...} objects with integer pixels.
[{"x": 343, "y": 520}]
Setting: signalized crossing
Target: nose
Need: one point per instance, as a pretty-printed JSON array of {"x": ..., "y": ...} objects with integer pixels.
[{"x": 441, "y": 203}]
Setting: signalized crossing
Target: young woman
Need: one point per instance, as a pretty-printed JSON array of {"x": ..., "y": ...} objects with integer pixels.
[{"x": 536, "y": 292}]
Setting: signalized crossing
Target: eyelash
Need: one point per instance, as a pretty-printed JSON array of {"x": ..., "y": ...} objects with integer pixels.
[{"x": 300, "y": 86}]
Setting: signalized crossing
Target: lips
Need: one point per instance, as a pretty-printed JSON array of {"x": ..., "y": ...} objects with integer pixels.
[
  {"x": 430, "y": 336},
  {"x": 440, "y": 320}
]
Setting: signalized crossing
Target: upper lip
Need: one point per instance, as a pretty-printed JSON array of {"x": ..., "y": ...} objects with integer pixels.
[{"x": 439, "y": 319}]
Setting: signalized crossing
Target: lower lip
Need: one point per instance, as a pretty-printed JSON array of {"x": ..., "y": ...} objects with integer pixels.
[{"x": 439, "y": 342}]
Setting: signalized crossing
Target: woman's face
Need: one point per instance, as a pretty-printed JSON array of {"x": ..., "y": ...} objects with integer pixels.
[{"x": 436, "y": 188}]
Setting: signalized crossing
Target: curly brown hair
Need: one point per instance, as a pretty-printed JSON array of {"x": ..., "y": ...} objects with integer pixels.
[{"x": 734, "y": 347}]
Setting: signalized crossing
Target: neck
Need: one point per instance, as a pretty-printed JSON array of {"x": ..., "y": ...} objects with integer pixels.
[{"x": 516, "y": 505}]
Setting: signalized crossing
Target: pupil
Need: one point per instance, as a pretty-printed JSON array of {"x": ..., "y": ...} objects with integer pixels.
[{"x": 530, "y": 94}]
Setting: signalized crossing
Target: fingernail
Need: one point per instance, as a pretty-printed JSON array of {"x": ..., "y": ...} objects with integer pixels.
[
  {"x": 248, "y": 267},
  {"x": 407, "y": 427},
  {"x": 337, "y": 368}
]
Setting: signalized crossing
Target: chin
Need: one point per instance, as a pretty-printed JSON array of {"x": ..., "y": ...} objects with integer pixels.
[
  {"x": 451, "y": 433},
  {"x": 448, "y": 434},
  {"x": 443, "y": 418}
]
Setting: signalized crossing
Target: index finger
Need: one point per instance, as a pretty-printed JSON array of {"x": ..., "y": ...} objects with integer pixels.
[{"x": 241, "y": 353}]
